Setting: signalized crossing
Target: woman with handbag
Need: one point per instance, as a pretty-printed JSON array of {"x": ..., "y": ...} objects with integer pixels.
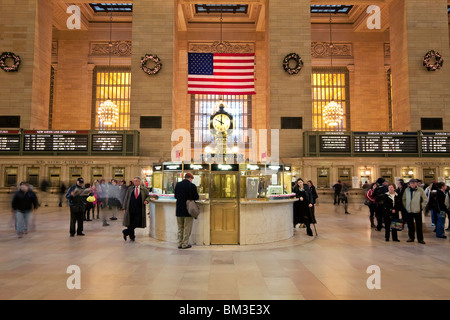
[{"x": 391, "y": 210}]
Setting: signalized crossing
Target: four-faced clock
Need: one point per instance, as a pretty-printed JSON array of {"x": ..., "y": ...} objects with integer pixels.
[{"x": 221, "y": 122}]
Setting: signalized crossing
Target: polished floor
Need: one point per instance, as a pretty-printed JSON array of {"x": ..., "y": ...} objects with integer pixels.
[{"x": 330, "y": 266}]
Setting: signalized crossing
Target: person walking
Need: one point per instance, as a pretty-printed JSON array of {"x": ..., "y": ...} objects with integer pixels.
[
  {"x": 62, "y": 193},
  {"x": 76, "y": 203},
  {"x": 401, "y": 187},
  {"x": 337, "y": 191},
  {"x": 134, "y": 208},
  {"x": 184, "y": 190},
  {"x": 113, "y": 198},
  {"x": 441, "y": 210},
  {"x": 371, "y": 204},
  {"x": 302, "y": 213},
  {"x": 23, "y": 202},
  {"x": 414, "y": 201},
  {"x": 391, "y": 211}
]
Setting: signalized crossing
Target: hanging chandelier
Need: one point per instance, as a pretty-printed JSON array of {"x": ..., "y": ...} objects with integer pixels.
[
  {"x": 108, "y": 112},
  {"x": 332, "y": 113}
]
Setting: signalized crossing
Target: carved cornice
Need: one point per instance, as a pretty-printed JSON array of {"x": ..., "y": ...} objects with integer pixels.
[
  {"x": 119, "y": 48},
  {"x": 225, "y": 47},
  {"x": 322, "y": 50}
]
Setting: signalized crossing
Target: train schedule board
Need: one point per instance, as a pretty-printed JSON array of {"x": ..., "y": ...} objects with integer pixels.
[
  {"x": 435, "y": 142},
  {"x": 9, "y": 140},
  {"x": 55, "y": 141},
  {"x": 334, "y": 142},
  {"x": 385, "y": 142}
]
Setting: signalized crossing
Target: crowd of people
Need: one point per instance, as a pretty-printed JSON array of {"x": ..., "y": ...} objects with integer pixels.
[{"x": 394, "y": 206}]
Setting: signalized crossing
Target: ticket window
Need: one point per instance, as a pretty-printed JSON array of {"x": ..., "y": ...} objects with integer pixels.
[
  {"x": 345, "y": 175},
  {"x": 118, "y": 173},
  {"x": 387, "y": 174},
  {"x": 287, "y": 179},
  {"x": 96, "y": 174},
  {"x": 408, "y": 174},
  {"x": 365, "y": 176},
  {"x": 74, "y": 174},
  {"x": 54, "y": 177},
  {"x": 147, "y": 176},
  {"x": 33, "y": 177},
  {"x": 323, "y": 177},
  {"x": 11, "y": 174},
  {"x": 429, "y": 175}
]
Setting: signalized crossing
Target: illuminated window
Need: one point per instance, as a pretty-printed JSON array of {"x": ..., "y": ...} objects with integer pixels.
[
  {"x": 113, "y": 83},
  {"x": 114, "y": 7},
  {"x": 331, "y": 8},
  {"x": 204, "y": 105},
  {"x": 218, "y": 8},
  {"x": 329, "y": 85}
]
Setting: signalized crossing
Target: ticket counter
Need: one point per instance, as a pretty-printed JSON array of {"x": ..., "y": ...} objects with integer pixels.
[
  {"x": 240, "y": 204},
  {"x": 11, "y": 174}
]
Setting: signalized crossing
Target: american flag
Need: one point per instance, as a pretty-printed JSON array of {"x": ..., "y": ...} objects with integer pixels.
[{"x": 221, "y": 73}]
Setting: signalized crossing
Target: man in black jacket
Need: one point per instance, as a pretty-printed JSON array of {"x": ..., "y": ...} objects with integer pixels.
[
  {"x": 23, "y": 202},
  {"x": 76, "y": 204},
  {"x": 185, "y": 190},
  {"x": 441, "y": 210}
]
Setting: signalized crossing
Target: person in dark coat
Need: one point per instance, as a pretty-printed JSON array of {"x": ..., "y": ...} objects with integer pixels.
[
  {"x": 391, "y": 210},
  {"x": 76, "y": 203},
  {"x": 441, "y": 210},
  {"x": 302, "y": 207},
  {"x": 184, "y": 190},
  {"x": 135, "y": 214},
  {"x": 378, "y": 195},
  {"x": 23, "y": 202}
]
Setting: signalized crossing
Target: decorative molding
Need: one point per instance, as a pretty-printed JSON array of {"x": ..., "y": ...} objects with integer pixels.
[
  {"x": 224, "y": 47},
  {"x": 119, "y": 48},
  {"x": 322, "y": 50}
]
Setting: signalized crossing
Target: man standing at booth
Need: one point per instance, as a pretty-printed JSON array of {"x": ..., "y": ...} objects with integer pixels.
[
  {"x": 136, "y": 198},
  {"x": 185, "y": 190}
]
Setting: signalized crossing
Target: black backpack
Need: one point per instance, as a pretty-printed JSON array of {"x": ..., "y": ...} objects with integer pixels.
[{"x": 378, "y": 194}]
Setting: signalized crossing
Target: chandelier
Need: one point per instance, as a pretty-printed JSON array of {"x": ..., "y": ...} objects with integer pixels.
[
  {"x": 108, "y": 112},
  {"x": 332, "y": 113}
]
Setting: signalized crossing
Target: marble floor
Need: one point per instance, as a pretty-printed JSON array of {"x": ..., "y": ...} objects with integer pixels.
[{"x": 330, "y": 266}]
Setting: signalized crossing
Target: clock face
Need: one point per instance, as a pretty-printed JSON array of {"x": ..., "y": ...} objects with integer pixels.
[{"x": 221, "y": 122}]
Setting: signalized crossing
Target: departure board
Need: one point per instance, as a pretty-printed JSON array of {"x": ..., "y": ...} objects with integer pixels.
[
  {"x": 385, "y": 142},
  {"x": 334, "y": 143},
  {"x": 436, "y": 142},
  {"x": 55, "y": 140},
  {"x": 9, "y": 140},
  {"x": 107, "y": 142}
]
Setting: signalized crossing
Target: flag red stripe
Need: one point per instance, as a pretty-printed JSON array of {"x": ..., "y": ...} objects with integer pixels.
[
  {"x": 220, "y": 86},
  {"x": 219, "y": 80},
  {"x": 233, "y": 67},
  {"x": 234, "y": 54},
  {"x": 234, "y": 93}
]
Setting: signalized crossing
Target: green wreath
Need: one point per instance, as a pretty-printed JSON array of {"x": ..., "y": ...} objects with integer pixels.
[{"x": 298, "y": 63}]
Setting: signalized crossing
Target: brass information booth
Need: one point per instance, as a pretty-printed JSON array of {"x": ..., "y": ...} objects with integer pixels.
[{"x": 237, "y": 202}]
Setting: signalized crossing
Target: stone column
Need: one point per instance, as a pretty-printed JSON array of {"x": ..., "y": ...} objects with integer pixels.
[
  {"x": 26, "y": 30},
  {"x": 415, "y": 28},
  {"x": 289, "y": 30},
  {"x": 152, "y": 95}
]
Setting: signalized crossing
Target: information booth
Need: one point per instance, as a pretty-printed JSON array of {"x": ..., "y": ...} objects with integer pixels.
[{"x": 240, "y": 203}]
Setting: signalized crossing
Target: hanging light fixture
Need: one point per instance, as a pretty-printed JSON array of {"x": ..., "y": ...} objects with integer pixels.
[
  {"x": 332, "y": 113},
  {"x": 108, "y": 112}
]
